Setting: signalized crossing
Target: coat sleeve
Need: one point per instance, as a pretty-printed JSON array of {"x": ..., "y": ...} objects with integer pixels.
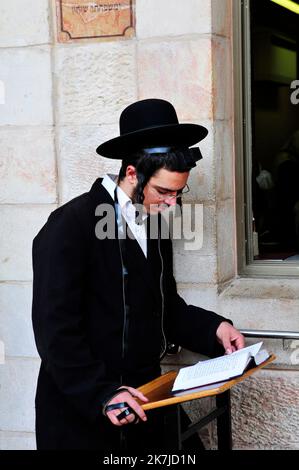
[
  {"x": 191, "y": 327},
  {"x": 59, "y": 267}
]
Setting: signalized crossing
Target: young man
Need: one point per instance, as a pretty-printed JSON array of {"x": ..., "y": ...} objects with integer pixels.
[{"x": 104, "y": 307}]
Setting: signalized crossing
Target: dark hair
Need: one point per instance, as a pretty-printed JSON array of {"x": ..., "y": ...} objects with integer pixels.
[{"x": 147, "y": 166}]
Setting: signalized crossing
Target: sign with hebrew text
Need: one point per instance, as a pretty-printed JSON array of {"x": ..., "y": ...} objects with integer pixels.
[{"x": 102, "y": 19}]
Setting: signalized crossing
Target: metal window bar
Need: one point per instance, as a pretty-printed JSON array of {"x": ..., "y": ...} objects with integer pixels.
[{"x": 270, "y": 334}]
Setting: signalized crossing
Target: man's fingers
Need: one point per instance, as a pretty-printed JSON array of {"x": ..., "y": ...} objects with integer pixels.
[
  {"x": 134, "y": 409},
  {"x": 129, "y": 398},
  {"x": 227, "y": 346},
  {"x": 232, "y": 344},
  {"x": 135, "y": 393},
  {"x": 130, "y": 418},
  {"x": 113, "y": 418},
  {"x": 230, "y": 338},
  {"x": 137, "y": 408},
  {"x": 240, "y": 342}
]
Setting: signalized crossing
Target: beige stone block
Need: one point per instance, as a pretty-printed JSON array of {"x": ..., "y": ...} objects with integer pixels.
[
  {"x": 214, "y": 174},
  {"x": 179, "y": 71},
  {"x": 79, "y": 164},
  {"x": 267, "y": 288},
  {"x": 15, "y": 316},
  {"x": 221, "y": 17},
  {"x": 191, "y": 267},
  {"x": 201, "y": 180},
  {"x": 17, "y": 440},
  {"x": 262, "y": 314},
  {"x": 196, "y": 233},
  {"x": 19, "y": 225},
  {"x": 24, "y": 23},
  {"x": 164, "y": 18},
  {"x": 224, "y": 160},
  {"x": 222, "y": 78},
  {"x": 17, "y": 392},
  {"x": 27, "y": 166},
  {"x": 18, "y": 385},
  {"x": 265, "y": 411},
  {"x": 27, "y": 77},
  {"x": 203, "y": 295},
  {"x": 95, "y": 82},
  {"x": 273, "y": 301},
  {"x": 225, "y": 219}
]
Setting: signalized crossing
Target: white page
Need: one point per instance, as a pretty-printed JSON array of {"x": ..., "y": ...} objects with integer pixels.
[
  {"x": 210, "y": 371},
  {"x": 252, "y": 350},
  {"x": 215, "y": 370}
]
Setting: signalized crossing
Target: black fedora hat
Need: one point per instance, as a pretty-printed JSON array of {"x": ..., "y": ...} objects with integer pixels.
[{"x": 150, "y": 123}]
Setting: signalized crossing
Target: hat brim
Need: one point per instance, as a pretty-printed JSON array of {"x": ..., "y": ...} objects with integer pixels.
[{"x": 169, "y": 135}]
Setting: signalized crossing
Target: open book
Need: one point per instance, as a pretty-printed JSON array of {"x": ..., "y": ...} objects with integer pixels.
[{"x": 214, "y": 372}]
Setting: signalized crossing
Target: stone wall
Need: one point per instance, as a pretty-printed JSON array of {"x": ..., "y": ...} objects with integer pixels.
[
  {"x": 62, "y": 100},
  {"x": 28, "y": 193}
]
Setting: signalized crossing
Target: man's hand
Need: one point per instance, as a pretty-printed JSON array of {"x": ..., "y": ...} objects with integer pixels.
[
  {"x": 230, "y": 338},
  {"x": 127, "y": 397}
]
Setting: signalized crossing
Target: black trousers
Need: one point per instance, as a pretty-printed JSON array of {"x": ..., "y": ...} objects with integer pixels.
[
  {"x": 59, "y": 426},
  {"x": 105, "y": 437}
]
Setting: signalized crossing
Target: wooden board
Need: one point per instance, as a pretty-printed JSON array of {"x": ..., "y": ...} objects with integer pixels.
[{"x": 159, "y": 390}]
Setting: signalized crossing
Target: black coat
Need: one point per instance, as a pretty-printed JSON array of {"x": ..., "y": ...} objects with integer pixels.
[{"x": 88, "y": 343}]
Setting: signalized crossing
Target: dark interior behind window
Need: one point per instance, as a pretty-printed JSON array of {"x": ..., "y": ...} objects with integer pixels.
[{"x": 275, "y": 131}]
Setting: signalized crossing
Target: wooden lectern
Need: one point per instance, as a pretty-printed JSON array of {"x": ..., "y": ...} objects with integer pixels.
[{"x": 158, "y": 392}]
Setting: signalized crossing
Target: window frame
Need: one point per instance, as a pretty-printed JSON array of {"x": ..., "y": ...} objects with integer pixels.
[{"x": 243, "y": 153}]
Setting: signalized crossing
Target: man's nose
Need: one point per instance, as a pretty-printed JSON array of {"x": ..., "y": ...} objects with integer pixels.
[{"x": 170, "y": 200}]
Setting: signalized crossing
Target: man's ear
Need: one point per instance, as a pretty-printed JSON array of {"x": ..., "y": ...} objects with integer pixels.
[{"x": 131, "y": 174}]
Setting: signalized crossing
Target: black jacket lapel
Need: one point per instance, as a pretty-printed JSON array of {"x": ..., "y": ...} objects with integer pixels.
[
  {"x": 145, "y": 264},
  {"x": 150, "y": 266}
]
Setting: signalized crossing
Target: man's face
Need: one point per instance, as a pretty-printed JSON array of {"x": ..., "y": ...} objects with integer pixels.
[{"x": 162, "y": 187}]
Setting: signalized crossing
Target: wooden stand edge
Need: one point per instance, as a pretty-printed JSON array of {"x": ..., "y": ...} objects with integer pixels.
[{"x": 159, "y": 390}]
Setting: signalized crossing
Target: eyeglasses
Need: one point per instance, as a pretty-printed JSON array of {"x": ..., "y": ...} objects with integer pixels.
[{"x": 166, "y": 195}]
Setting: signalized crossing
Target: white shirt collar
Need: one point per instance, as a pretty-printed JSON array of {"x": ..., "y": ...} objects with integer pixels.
[
  {"x": 109, "y": 182},
  {"x": 128, "y": 211}
]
